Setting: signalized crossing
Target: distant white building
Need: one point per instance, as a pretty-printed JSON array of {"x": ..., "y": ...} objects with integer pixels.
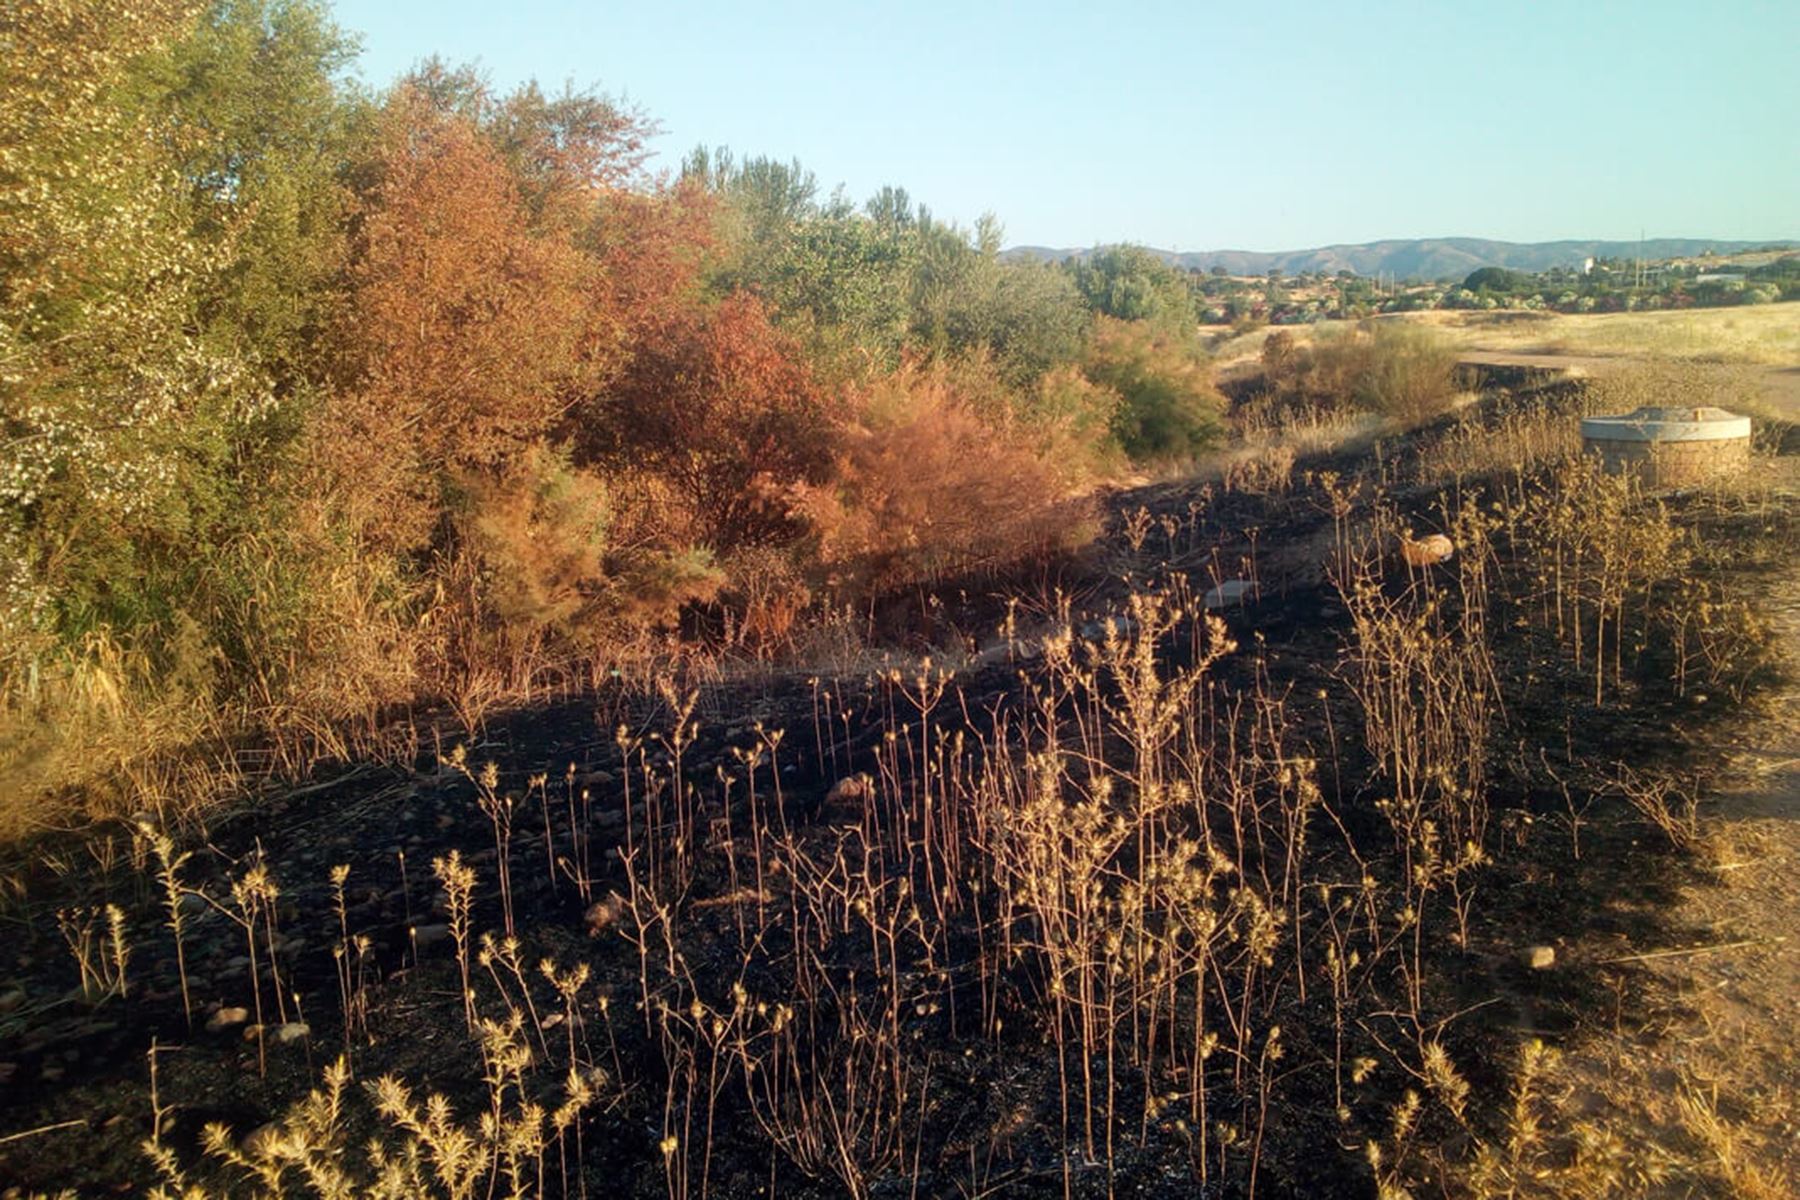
[{"x": 1587, "y": 265}]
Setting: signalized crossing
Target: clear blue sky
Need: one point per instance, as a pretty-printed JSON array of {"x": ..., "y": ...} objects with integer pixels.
[{"x": 1259, "y": 125}]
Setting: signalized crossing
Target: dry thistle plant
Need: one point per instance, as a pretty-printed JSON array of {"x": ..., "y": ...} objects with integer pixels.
[
  {"x": 168, "y": 874},
  {"x": 422, "y": 1152},
  {"x": 459, "y": 887},
  {"x": 498, "y": 808},
  {"x": 1668, "y": 802},
  {"x": 96, "y": 939},
  {"x": 254, "y": 896}
]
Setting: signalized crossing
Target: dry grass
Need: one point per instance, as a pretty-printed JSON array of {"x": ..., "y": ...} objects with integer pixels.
[
  {"x": 1761, "y": 335},
  {"x": 1636, "y": 1130},
  {"x": 1764, "y": 334}
]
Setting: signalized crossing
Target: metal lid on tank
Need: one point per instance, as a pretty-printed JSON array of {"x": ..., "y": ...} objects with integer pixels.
[{"x": 1675, "y": 424}]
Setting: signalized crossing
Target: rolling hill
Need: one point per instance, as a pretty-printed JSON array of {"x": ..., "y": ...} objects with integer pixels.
[{"x": 1422, "y": 258}]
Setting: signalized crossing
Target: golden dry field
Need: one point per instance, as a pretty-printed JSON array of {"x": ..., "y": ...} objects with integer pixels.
[{"x": 1763, "y": 335}]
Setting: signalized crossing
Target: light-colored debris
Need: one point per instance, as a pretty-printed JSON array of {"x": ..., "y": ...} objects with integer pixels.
[
  {"x": 1431, "y": 549},
  {"x": 604, "y": 914},
  {"x": 1231, "y": 593},
  {"x": 225, "y": 1018}
]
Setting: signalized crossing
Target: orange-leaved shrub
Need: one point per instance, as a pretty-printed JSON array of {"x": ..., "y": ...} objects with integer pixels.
[
  {"x": 538, "y": 577},
  {"x": 718, "y": 406},
  {"x": 463, "y": 332},
  {"x": 925, "y": 488}
]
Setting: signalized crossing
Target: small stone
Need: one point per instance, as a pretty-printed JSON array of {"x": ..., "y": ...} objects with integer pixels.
[
  {"x": 445, "y": 820},
  {"x": 225, "y": 1018},
  {"x": 1538, "y": 958},
  {"x": 51, "y": 1072},
  {"x": 7, "y": 1071},
  {"x": 603, "y": 914},
  {"x": 1231, "y": 594},
  {"x": 293, "y": 1031},
  {"x": 192, "y": 904},
  {"x": 851, "y": 788},
  {"x": 427, "y": 936},
  {"x": 1433, "y": 548},
  {"x": 11, "y": 999}
]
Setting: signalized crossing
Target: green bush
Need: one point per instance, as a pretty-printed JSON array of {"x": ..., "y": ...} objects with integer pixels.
[
  {"x": 1407, "y": 374},
  {"x": 1396, "y": 368},
  {"x": 1168, "y": 408}
]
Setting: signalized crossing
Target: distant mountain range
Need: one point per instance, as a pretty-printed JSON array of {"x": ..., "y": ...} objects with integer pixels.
[{"x": 1423, "y": 258}]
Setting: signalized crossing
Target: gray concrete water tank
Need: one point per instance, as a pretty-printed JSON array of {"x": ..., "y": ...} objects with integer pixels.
[{"x": 1670, "y": 447}]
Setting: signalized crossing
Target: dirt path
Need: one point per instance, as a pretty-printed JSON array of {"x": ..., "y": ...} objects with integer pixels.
[
  {"x": 1704, "y": 1069},
  {"x": 1780, "y": 386}
]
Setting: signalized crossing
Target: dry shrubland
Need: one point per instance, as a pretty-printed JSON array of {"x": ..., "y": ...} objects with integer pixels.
[{"x": 1153, "y": 902}]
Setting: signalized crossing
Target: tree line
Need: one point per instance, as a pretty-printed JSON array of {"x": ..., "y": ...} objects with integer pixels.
[{"x": 316, "y": 399}]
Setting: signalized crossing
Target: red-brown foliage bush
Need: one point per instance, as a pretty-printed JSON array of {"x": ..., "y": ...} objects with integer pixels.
[
  {"x": 924, "y": 488},
  {"x": 463, "y": 332},
  {"x": 720, "y": 407}
]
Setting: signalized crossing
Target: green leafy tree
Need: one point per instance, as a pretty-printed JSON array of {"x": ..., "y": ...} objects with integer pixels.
[
  {"x": 768, "y": 196},
  {"x": 832, "y": 277},
  {"x": 892, "y": 209},
  {"x": 838, "y": 284},
  {"x": 1498, "y": 280},
  {"x": 119, "y": 411},
  {"x": 261, "y": 125},
  {"x": 1132, "y": 284}
]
